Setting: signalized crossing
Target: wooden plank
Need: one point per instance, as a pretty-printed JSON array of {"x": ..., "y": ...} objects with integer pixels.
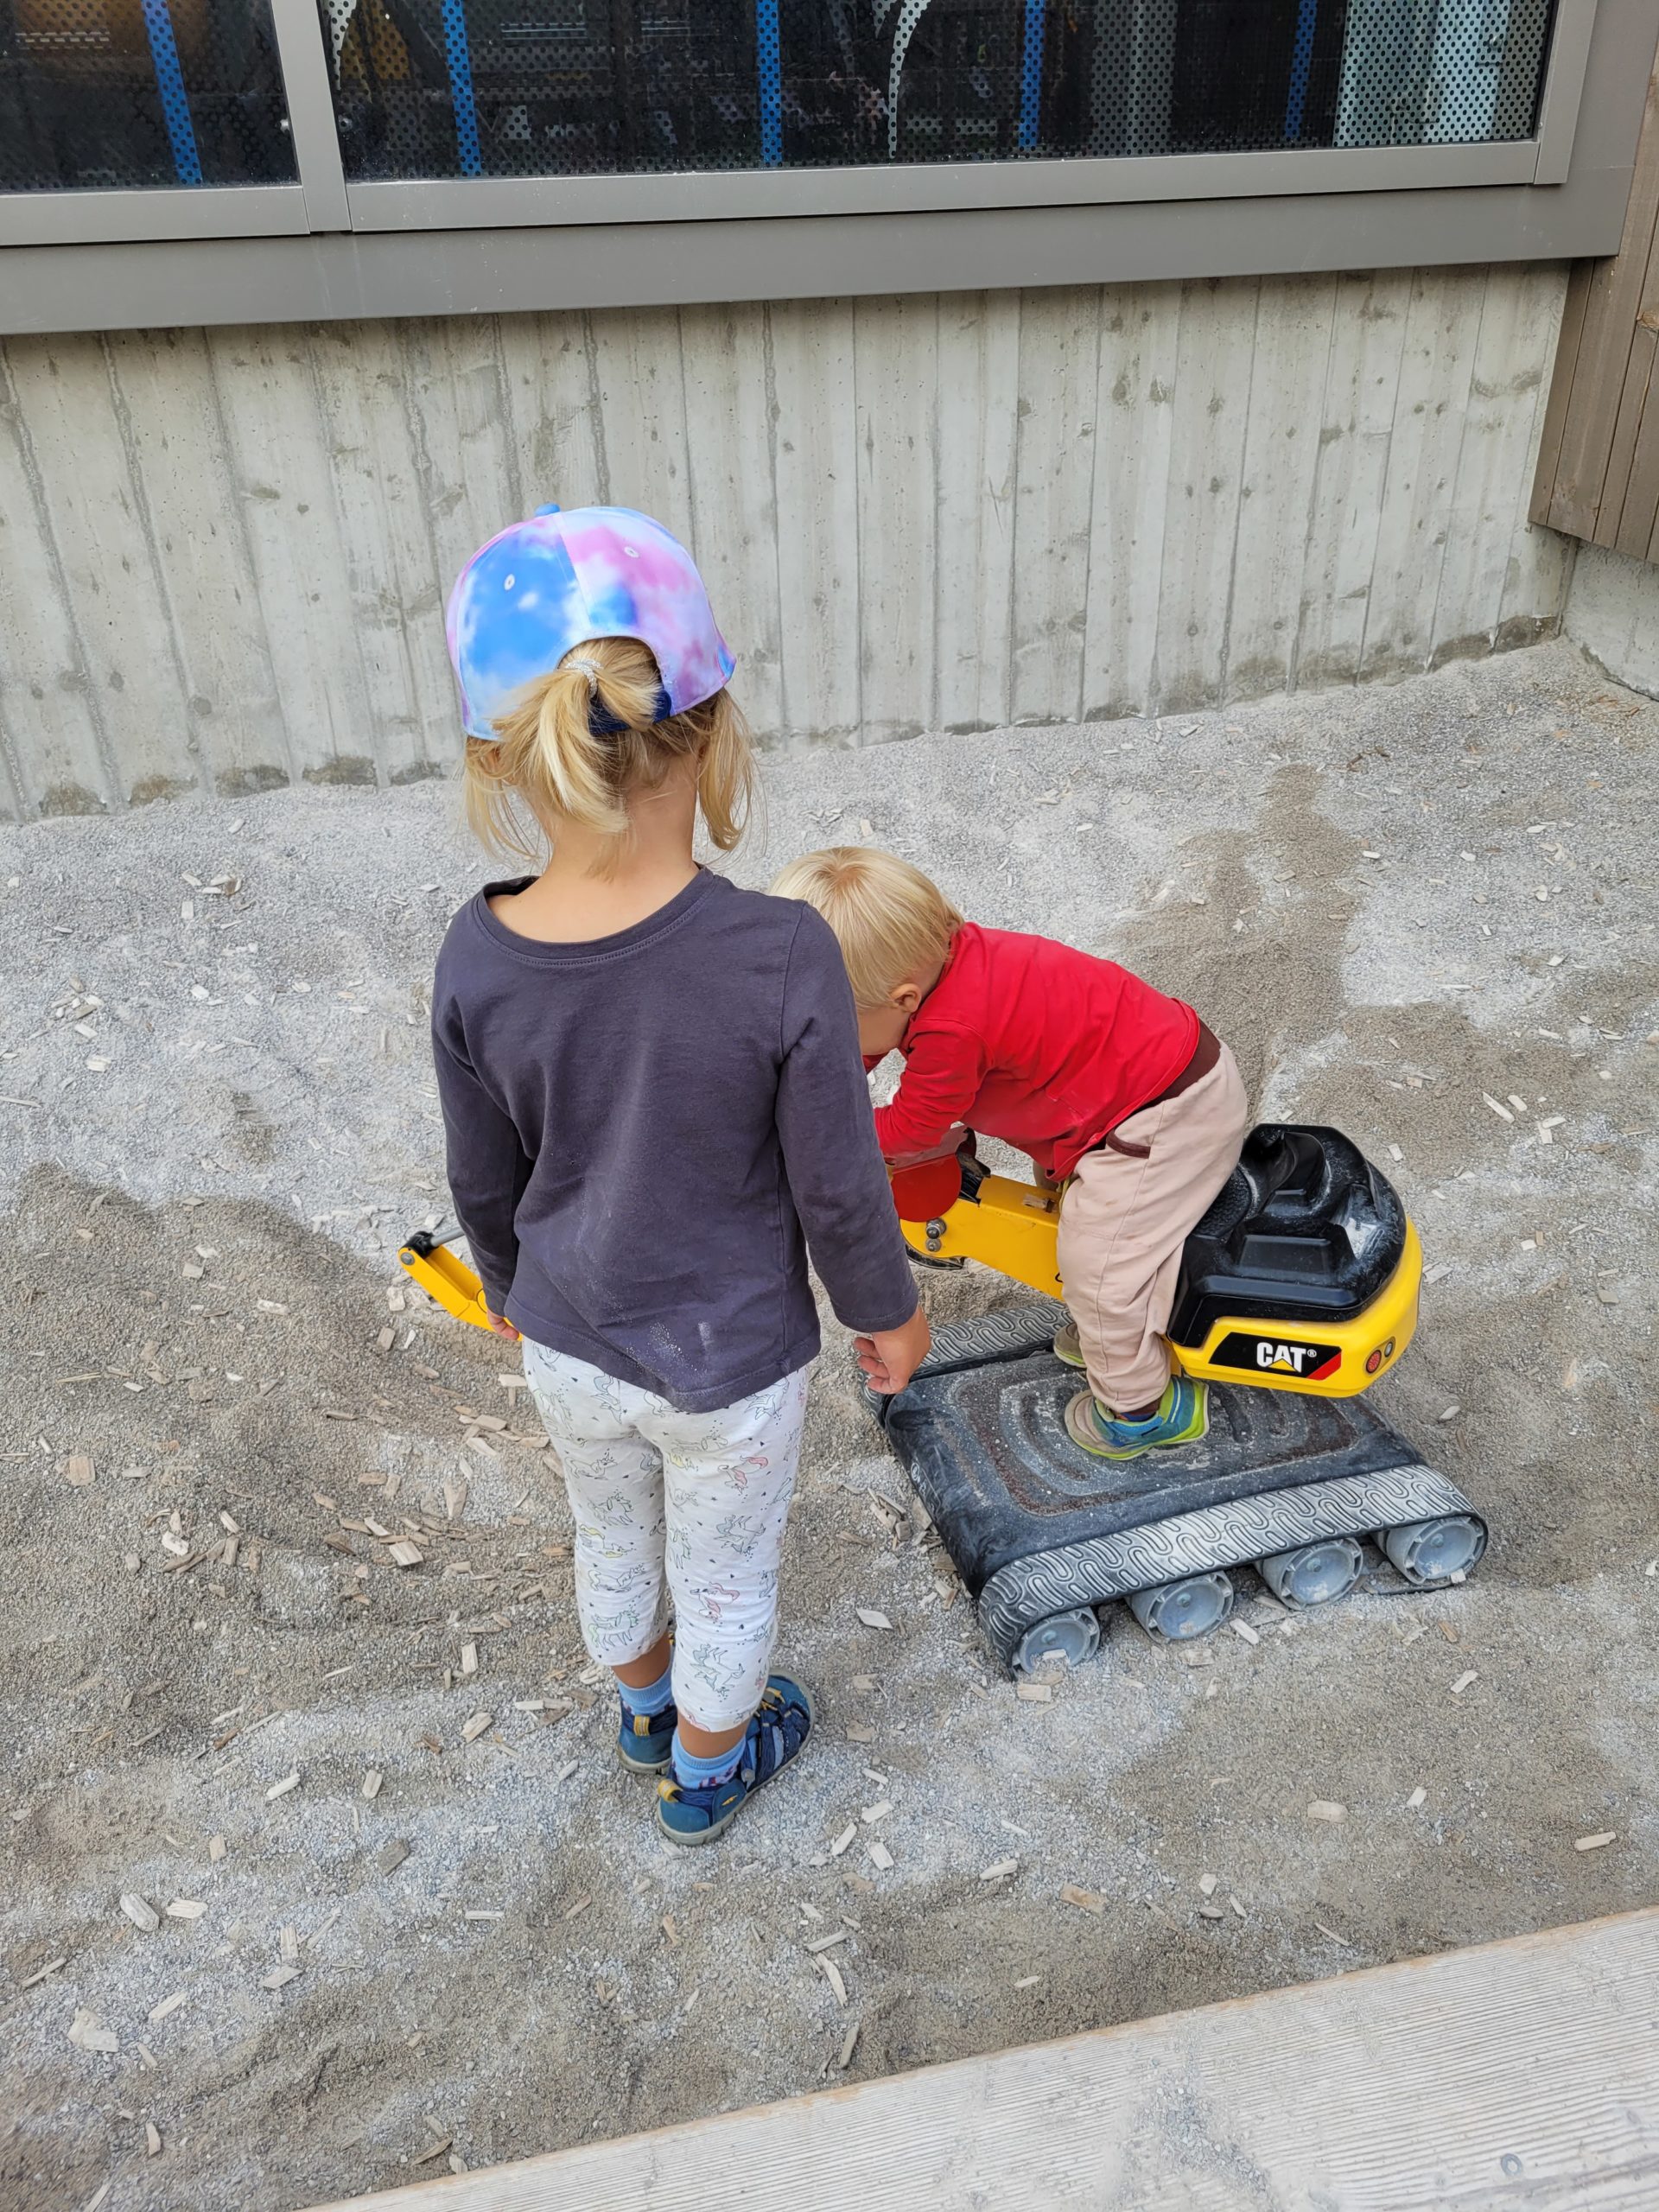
[
  {"x": 1436, "y": 364},
  {"x": 1539, "y": 571},
  {"x": 166, "y": 389},
  {"x": 815, "y": 462},
  {"x": 641, "y": 392},
  {"x": 978, "y": 433},
  {"x": 1134, "y": 415},
  {"x": 1217, "y": 350},
  {"x": 397, "y": 592},
  {"x": 1483, "y": 524},
  {"x": 1517, "y": 2073},
  {"x": 734, "y": 506},
  {"x": 94, "y": 488},
  {"x": 1560, "y": 390},
  {"x": 462, "y": 439},
  {"x": 1604, "y": 349},
  {"x": 550, "y": 398},
  {"x": 278, "y": 445},
  {"x": 895, "y": 382},
  {"x": 1280, "y": 464},
  {"x": 1356, "y": 430},
  {"x": 1053, "y": 494}
]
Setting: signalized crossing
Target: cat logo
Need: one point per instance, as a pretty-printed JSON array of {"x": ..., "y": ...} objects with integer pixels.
[{"x": 1272, "y": 1357}]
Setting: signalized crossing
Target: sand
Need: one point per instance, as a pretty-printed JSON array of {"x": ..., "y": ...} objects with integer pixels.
[{"x": 1389, "y": 901}]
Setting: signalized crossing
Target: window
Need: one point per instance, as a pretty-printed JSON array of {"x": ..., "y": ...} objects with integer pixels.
[
  {"x": 703, "y": 149},
  {"x": 551, "y": 88},
  {"x": 108, "y": 95}
]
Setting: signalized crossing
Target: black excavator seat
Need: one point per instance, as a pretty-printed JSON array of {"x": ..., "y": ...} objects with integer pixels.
[{"x": 1305, "y": 1229}]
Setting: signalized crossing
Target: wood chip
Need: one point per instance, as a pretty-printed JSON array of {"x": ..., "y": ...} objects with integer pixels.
[
  {"x": 879, "y": 1857},
  {"x": 281, "y": 1789},
  {"x": 871, "y": 1814},
  {"x": 391, "y": 1855},
  {"x": 1244, "y": 1629},
  {"x": 871, "y": 1619},
  {"x": 87, "y": 2032},
  {"x": 1002, "y": 1867},
  {"x": 1210, "y": 1912},
  {"x": 279, "y": 1977},
  {"x": 141, "y": 1914},
  {"x": 152, "y": 2139},
  {"x": 841, "y": 1842},
  {"x": 1418, "y": 1797},
  {"x": 1464, "y": 1681},
  {"x": 849, "y": 2046},
  {"x": 78, "y": 1471},
  {"x": 1501, "y": 1111},
  {"x": 1085, "y": 1900},
  {"x": 185, "y": 1909},
  {"x": 831, "y": 1974},
  {"x": 472, "y": 1729},
  {"x": 168, "y": 2005},
  {"x": 371, "y": 1781},
  {"x": 1207, "y": 1885},
  {"x": 404, "y": 1553},
  {"x": 41, "y": 1974},
  {"x": 828, "y": 1942},
  {"x": 469, "y": 1658},
  {"x": 1034, "y": 1693},
  {"x": 1598, "y": 1842},
  {"x": 1326, "y": 1808}
]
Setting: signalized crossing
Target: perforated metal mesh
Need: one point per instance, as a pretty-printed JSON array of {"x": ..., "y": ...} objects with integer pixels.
[
  {"x": 97, "y": 94},
  {"x": 433, "y": 88}
]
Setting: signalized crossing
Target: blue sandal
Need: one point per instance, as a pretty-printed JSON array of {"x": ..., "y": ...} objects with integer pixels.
[{"x": 776, "y": 1735}]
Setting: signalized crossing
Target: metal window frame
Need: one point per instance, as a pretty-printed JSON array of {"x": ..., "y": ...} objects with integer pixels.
[
  {"x": 324, "y": 250},
  {"x": 322, "y": 201}
]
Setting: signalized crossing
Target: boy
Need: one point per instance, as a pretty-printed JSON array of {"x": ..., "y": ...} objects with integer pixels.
[{"x": 1115, "y": 1090}]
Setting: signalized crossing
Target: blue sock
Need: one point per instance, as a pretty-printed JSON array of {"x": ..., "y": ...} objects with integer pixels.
[
  {"x": 649, "y": 1699},
  {"x": 693, "y": 1773}
]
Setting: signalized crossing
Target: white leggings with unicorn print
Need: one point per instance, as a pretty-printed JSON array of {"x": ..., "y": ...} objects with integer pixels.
[{"x": 701, "y": 1499}]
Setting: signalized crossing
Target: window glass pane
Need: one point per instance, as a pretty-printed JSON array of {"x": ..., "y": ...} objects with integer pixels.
[
  {"x": 99, "y": 94},
  {"x": 444, "y": 88}
]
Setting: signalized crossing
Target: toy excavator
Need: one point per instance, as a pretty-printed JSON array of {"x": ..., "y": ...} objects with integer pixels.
[{"x": 1300, "y": 1281}]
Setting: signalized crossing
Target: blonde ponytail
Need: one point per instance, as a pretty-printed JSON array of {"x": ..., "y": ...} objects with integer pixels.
[{"x": 549, "y": 761}]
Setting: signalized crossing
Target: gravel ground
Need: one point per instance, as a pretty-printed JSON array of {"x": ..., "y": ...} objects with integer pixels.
[{"x": 218, "y": 1120}]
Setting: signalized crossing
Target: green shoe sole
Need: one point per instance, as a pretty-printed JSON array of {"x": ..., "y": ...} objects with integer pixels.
[{"x": 1080, "y": 1419}]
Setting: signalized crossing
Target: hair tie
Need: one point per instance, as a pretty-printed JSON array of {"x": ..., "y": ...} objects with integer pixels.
[{"x": 590, "y": 668}]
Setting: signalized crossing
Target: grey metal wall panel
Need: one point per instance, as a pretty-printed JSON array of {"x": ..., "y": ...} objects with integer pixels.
[{"x": 227, "y": 549}]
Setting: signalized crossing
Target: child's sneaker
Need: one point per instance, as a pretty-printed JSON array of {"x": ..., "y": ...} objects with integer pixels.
[
  {"x": 1183, "y": 1416},
  {"x": 644, "y": 1741},
  {"x": 776, "y": 1735},
  {"x": 1068, "y": 1348}
]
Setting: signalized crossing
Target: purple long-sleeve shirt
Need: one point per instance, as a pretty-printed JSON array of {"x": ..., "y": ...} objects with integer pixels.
[{"x": 647, "y": 1132}]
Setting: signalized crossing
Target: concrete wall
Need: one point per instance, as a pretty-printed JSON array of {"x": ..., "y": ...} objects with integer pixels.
[
  {"x": 1612, "y": 611},
  {"x": 223, "y": 553}
]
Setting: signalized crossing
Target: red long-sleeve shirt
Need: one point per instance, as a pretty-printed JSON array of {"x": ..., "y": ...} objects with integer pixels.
[{"x": 1033, "y": 1042}]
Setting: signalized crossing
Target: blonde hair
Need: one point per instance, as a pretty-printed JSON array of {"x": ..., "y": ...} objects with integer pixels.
[
  {"x": 890, "y": 920},
  {"x": 548, "y": 759}
]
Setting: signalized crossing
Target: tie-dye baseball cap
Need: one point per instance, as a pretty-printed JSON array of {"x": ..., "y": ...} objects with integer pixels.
[{"x": 540, "y": 586}]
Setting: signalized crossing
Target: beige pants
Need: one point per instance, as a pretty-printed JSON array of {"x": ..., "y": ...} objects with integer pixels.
[{"x": 1125, "y": 1217}]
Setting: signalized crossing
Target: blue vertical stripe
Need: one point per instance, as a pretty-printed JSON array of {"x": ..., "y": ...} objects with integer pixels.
[
  {"x": 1031, "y": 75},
  {"x": 169, "y": 83},
  {"x": 459, "y": 58},
  {"x": 769, "y": 64},
  {"x": 1301, "y": 64}
]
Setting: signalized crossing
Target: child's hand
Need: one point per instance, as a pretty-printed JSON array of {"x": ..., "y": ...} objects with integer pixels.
[
  {"x": 501, "y": 1327},
  {"x": 891, "y": 1357}
]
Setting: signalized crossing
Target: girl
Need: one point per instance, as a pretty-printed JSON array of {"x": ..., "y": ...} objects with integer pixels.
[{"x": 653, "y": 1101}]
